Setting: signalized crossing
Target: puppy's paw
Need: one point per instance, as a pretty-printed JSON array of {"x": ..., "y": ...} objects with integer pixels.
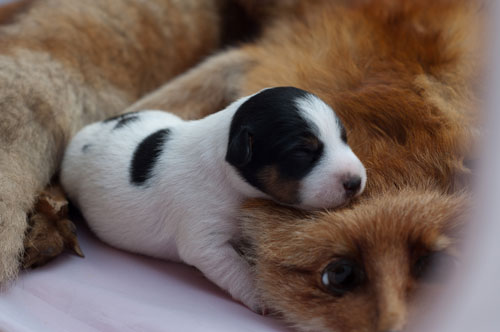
[
  {"x": 50, "y": 231},
  {"x": 252, "y": 301},
  {"x": 245, "y": 292}
]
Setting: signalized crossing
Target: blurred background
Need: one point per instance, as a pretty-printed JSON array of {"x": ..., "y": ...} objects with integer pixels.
[{"x": 472, "y": 302}]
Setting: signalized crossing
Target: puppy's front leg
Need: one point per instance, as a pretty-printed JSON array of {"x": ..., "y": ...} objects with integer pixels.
[{"x": 216, "y": 258}]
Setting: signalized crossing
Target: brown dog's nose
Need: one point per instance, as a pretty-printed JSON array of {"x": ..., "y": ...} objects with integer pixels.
[{"x": 352, "y": 185}]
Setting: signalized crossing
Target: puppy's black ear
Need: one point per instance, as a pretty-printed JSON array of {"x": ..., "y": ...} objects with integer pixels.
[{"x": 239, "y": 151}]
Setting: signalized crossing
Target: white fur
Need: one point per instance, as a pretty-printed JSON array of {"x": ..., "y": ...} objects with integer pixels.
[
  {"x": 186, "y": 211},
  {"x": 323, "y": 186}
]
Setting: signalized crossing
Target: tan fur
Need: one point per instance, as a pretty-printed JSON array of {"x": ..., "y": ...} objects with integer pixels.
[
  {"x": 399, "y": 74},
  {"x": 386, "y": 235},
  {"x": 65, "y": 63},
  {"x": 202, "y": 90},
  {"x": 376, "y": 56},
  {"x": 286, "y": 190}
]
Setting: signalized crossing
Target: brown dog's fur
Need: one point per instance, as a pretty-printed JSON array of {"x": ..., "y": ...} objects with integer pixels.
[
  {"x": 397, "y": 72},
  {"x": 386, "y": 235},
  {"x": 397, "y": 76},
  {"x": 400, "y": 75},
  {"x": 65, "y": 63}
]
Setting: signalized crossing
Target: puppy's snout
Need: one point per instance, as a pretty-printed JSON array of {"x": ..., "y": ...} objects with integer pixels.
[{"x": 352, "y": 185}]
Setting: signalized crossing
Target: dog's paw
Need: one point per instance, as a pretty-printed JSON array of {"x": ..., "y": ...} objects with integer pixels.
[{"x": 50, "y": 231}]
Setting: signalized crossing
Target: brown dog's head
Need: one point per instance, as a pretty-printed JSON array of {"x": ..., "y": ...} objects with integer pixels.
[{"x": 355, "y": 269}]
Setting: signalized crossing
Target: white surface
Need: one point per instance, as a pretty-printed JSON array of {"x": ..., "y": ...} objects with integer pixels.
[
  {"x": 473, "y": 302},
  {"x": 111, "y": 290}
]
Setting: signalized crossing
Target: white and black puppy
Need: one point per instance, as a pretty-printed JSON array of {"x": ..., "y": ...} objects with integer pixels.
[{"x": 151, "y": 183}]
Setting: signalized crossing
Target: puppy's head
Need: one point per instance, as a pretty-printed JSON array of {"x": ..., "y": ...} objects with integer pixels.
[
  {"x": 355, "y": 269},
  {"x": 289, "y": 144}
]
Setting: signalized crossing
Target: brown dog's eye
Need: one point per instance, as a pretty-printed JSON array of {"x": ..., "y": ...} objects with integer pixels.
[
  {"x": 342, "y": 276},
  {"x": 433, "y": 266}
]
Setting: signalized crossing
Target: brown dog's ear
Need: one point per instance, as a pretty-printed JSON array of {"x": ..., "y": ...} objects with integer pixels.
[{"x": 239, "y": 151}]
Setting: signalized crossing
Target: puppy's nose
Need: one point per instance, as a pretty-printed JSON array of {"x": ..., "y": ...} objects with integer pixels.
[{"x": 352, "y": 185}]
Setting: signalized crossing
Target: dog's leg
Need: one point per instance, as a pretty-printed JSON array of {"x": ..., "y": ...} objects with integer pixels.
[
  {"x": 65, "y": 63},
  {"x": 203, "y": 90}
]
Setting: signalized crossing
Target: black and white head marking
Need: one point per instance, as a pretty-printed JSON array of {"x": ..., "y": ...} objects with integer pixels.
[{"x": 289, "y": 144}]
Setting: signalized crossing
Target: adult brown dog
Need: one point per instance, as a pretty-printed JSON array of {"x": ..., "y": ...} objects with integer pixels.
[
  {"x": 65, "y": 63},
  {"x": 399, "y": 74}
]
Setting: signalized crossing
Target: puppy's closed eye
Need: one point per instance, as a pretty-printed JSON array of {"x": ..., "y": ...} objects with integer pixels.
[
  {"x": 301, "y": 157},
  {"x": 304, "y": 154}
]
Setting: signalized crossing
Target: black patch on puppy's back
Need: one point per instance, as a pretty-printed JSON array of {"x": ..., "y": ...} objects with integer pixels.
[{"x": 146, "y": 155}]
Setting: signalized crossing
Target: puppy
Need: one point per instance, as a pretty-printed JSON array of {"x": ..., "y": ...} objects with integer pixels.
[
  {"x": 67, "y": 63},
  {"x": 402, "y": 76},
  {"x": 152, "y": 183}
]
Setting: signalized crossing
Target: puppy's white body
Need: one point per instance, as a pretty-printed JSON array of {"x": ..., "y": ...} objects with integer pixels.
[
  {"x": 123, "y": 214},
  {"x": 186, "y": 209},
  {"x": 184, "y": 212}
]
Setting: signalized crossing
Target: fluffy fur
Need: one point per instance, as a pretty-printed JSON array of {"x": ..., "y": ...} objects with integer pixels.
[
  {"x": 151, "y": 183},
  {"x": 402, "y": 242},
  {"x": 401, "y": 76},
  {"x": 398, "y": 73},
  {"x": 65, "y": 63}
]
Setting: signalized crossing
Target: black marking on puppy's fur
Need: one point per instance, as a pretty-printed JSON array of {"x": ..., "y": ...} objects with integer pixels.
[
  {"x": 270, "y": 128},
  {"x": 119, "y": 116},
  {"x": 343, "y": 132},
  {"x": 146, "y": 155},
  {"x": 123, "y": 119},
  {"x": 86, "y": 147}
]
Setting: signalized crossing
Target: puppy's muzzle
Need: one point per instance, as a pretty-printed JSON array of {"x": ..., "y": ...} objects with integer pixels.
[{"x": 352, "y": 185}]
